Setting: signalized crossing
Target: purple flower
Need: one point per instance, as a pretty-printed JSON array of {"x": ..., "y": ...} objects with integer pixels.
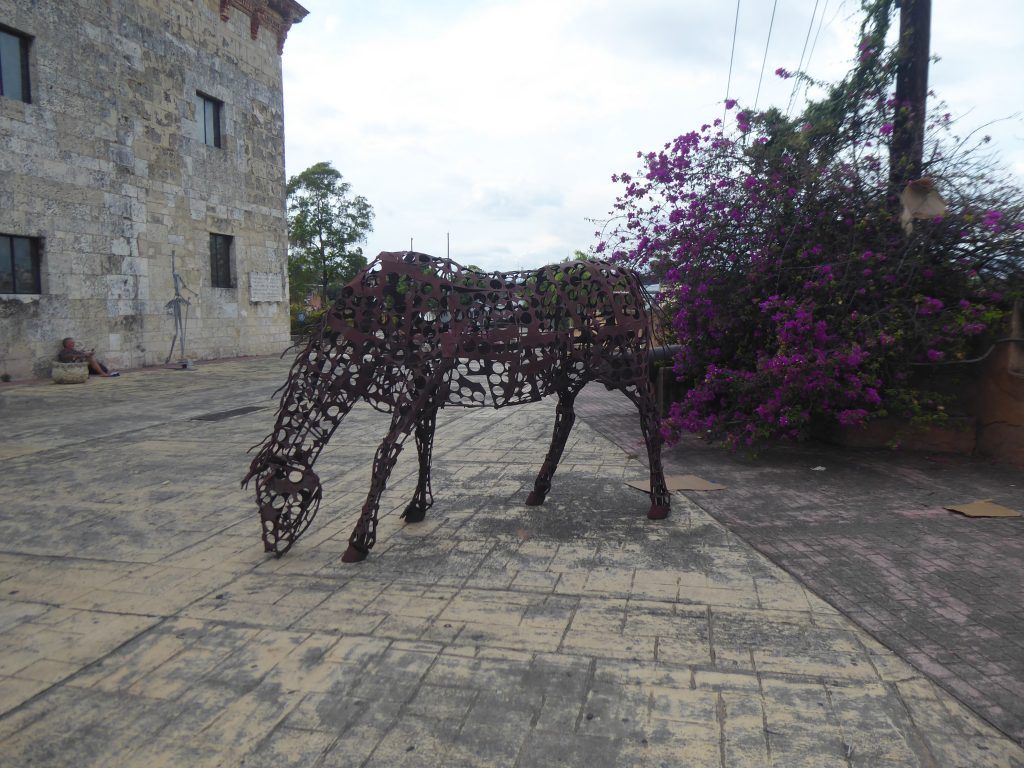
[
  {"x": 991, "y": 220},
  {"x": 935, "y": 355},
  {"x": 852, "y": 417},
  {"x": 730, "y": 103},
  {"x": 886, "y": 129}
]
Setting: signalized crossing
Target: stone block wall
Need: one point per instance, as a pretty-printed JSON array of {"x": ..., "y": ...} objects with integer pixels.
[{"x": 107, "y": 167}]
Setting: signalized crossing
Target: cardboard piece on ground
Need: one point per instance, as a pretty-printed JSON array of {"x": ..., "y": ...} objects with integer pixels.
[
  {"x": 983, "y": 509},
  {"x": 680, "y": 483}
]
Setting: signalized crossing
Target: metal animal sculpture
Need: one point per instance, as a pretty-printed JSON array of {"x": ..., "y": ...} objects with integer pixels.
[{"x": 413, "y": 333}]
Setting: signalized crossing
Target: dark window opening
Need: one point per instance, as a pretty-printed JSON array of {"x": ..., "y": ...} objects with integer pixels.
[
  {"x": 208, "y": 115},
  {"x": 14, "y": 66},
  {"x": 19, "y": 264},
  {"x": 220, "y": 261}
]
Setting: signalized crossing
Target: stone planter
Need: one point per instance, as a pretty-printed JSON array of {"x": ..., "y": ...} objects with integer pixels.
[
  {"x": 955, "y": 435},
  {"x": 70, "y": 373}
]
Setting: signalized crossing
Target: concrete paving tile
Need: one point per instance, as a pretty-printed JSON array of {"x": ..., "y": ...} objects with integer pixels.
[
  {"x": 403, "y": 627},
  {"x": 605, "y": 645},
  {"x": 250, "y": 717},
  {"x": 413, "y": 743},
  {"x": 15, "y": 691},
  {"x": 441, "y": 702},
  {"x": 540, "y": 581},
  {"x": 682, "y": 704},
  {"x": 725, "y": 681},
  {"x": 542, "y": 639},
  {"x": 290, "y": 747},
  {"x": 675, "y": 651},
  {"x": 543, "y": 748},
  {"x": 477, "y": 746},
  {"x": 619, "y": 713},
  {"x": 719, "y": 597},
  {"x": 662, "y": 619},
  {"x": 48, "y": 671},
  {"x": 225, "y": 609},
  {"x": 815, "y": 663},
  {"x": 625, "y": 674},
  {"x": 600, "y": 615}
]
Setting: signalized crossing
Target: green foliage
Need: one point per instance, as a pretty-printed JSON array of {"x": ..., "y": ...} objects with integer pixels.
[
  {"x": 578, "y": 255},
  {"x": 325, "y": 226},
  {"x": 304, "y": 319}
]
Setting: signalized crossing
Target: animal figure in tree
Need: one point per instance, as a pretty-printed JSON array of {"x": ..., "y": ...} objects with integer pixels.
[{"x": 414, "y": 333}]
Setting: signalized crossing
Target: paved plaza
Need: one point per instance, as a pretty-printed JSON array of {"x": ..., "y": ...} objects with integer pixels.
[
  {"x": 868, "y": 532},
  {"x": 141, "y": 624}
]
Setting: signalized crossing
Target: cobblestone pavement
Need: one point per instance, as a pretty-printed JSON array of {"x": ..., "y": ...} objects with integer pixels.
[
  {"x": 141, "y": 624},
  {"x": 869, "y": 535}
]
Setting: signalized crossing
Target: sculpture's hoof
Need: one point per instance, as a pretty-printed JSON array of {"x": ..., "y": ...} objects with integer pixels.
[
  {"x": 415, "y": 513},
  {"x": 658, "y": 511},
  {"x": 534, "y": 499},
  {"x": 353, "y": 555}
]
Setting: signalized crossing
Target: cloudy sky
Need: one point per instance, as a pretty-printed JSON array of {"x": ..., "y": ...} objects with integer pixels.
[{"x": 501, "y": 121}]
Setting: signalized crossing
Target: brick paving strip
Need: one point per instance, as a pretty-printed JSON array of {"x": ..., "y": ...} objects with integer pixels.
[
  {"x": 142, "y": 625},
  {"x": 869, "y": 534}
]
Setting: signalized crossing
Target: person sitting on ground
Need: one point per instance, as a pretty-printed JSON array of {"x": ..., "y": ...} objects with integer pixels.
[{"x": 69, "y": 354}]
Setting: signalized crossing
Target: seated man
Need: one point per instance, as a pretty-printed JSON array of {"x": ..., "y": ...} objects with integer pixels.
[{"x": 68, "y": 354}]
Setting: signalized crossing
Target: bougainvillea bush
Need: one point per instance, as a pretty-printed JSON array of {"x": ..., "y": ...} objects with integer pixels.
[{"x": 802, "y": 300}]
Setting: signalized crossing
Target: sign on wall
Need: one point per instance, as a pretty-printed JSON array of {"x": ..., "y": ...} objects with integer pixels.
[{"x": 265, "y": 286}]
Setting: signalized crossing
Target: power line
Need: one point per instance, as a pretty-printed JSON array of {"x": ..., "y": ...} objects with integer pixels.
[
  {"x": 765, "y": 59},
  {"x": 799, "y": 67},
  {"x": 728, "y": 81},
  {"x": 821, "y": 20}
]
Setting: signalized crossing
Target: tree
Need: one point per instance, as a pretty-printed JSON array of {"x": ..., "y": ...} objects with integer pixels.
[
  {"x": 325, "y": 226},
  {"x": 803, "y": 299}
]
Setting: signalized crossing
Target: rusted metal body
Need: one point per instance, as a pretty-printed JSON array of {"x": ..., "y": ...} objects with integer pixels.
[{"x": 414, "y": 333}]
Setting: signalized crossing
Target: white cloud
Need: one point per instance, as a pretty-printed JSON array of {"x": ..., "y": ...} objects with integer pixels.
[{"x": 502, "y": 122}]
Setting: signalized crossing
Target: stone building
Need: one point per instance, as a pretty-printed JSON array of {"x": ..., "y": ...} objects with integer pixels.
[{"x": 132, "y": 131}]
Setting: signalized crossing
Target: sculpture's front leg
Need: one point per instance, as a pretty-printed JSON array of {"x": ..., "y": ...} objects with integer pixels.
[
  {"x": 364, "y": 535},
  {"x": 423, "y": 499},
  {"x": 565, "y": 416}
]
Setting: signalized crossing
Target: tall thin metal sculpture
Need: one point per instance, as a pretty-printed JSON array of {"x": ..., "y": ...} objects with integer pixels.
[
  {"x": 414, "y": 333},
  {"x": 180, "y": 318}
]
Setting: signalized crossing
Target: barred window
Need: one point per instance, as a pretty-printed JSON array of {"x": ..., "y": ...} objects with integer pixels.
[
  {"x": 220, "y": 261},
  {"x": 208, "y": 116},
  {"x": 19, "y": 264},
  {"x": 14, "y": 65}
]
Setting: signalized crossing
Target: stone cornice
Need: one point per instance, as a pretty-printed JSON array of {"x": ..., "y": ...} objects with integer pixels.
[{"x": 276, "y": 15}]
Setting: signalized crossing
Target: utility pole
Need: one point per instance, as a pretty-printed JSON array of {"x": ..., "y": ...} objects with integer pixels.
[{"x": 906, "y": 151}]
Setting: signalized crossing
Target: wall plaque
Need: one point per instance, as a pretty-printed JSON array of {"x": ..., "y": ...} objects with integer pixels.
[{"x": 265, "y": 286}]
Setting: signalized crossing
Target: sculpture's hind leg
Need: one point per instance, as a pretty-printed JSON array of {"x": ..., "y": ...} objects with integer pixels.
[
  {"x": 364, "y": 535},
  {"x": 642, "y": 395},
  {"x": 565, "y": 416},
  {"x": 423, "y": 499}
]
